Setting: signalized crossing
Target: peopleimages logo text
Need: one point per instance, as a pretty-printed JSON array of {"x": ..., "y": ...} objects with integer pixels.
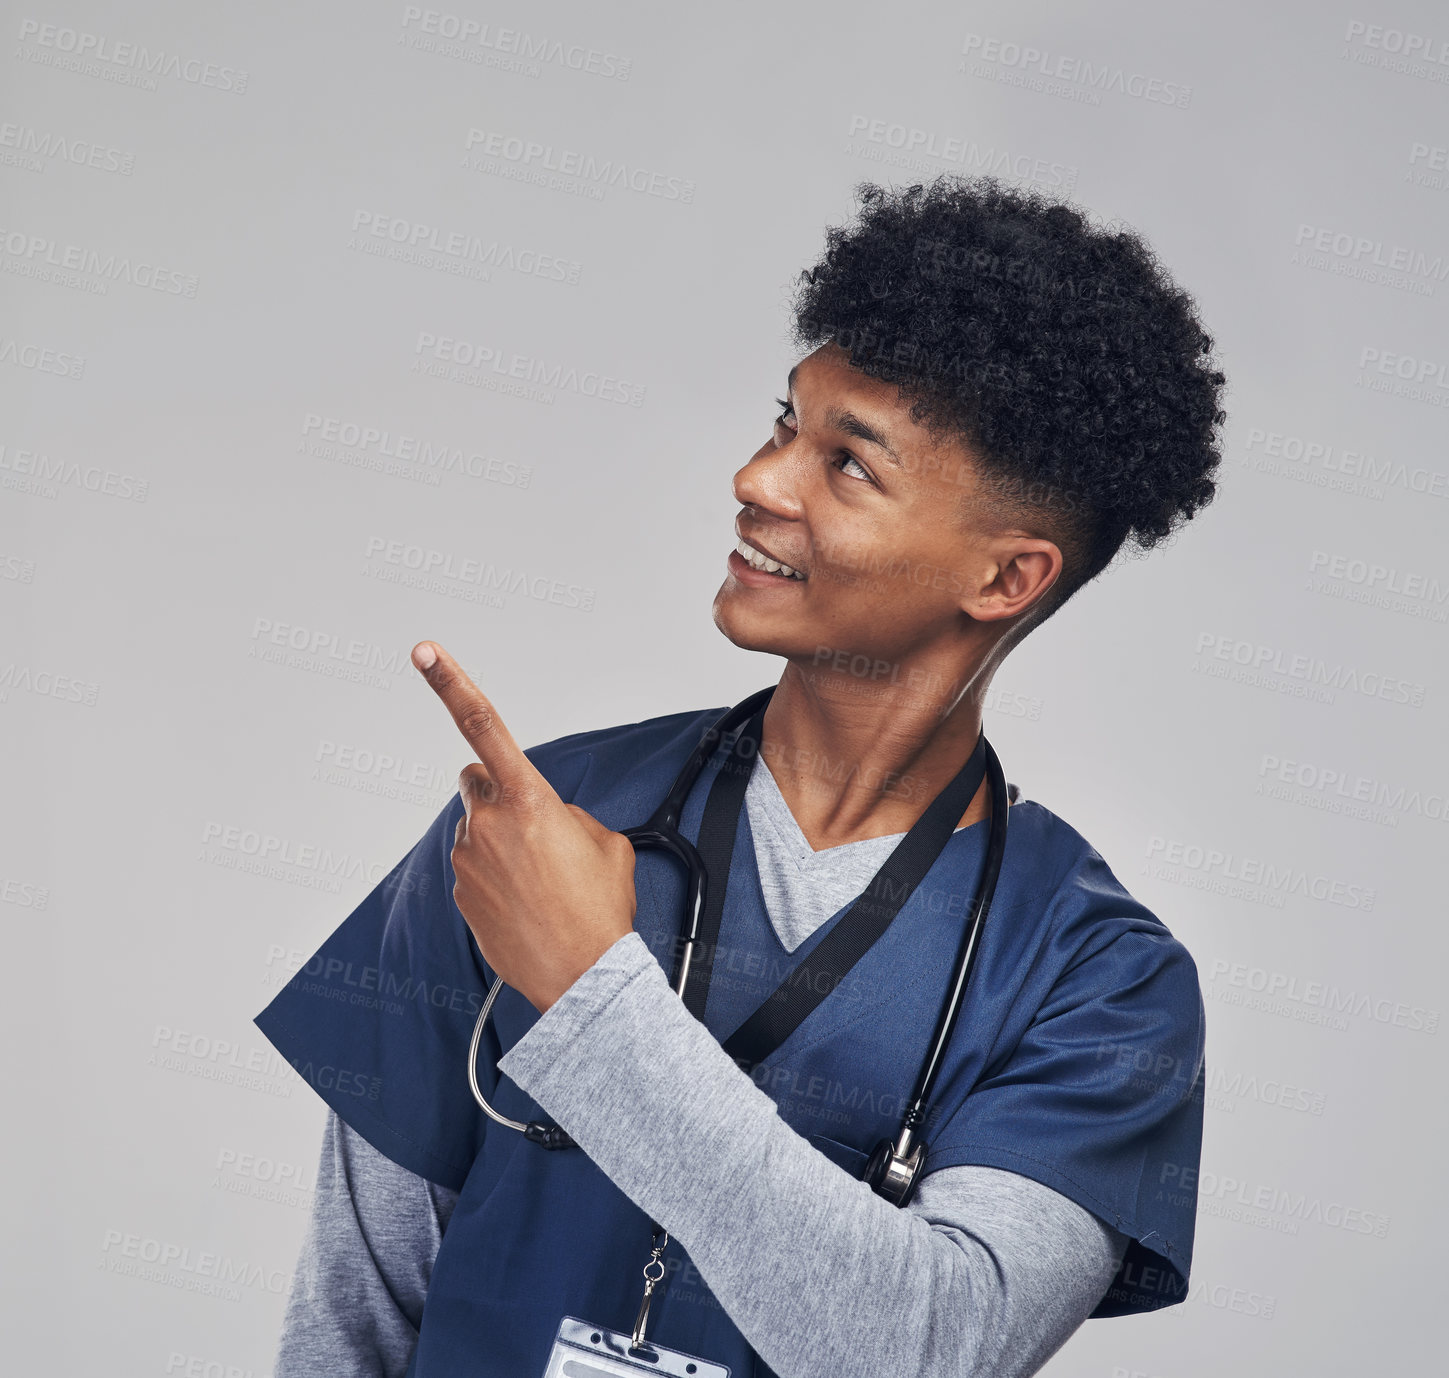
[
  {"x": 84, "y": 47},
  {"x": 545, "y": 373},
  {"x": 570, "y": 162},
  {"x": 1096, "y": 77}
]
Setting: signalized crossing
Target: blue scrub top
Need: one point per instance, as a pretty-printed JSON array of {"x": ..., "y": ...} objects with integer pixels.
[{"x": 1077, "y": 1061}]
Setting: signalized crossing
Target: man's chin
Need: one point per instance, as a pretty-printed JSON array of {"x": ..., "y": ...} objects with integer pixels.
[{"x": 754, "y": 633}]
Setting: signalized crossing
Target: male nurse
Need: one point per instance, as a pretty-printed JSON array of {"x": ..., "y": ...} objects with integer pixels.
[{"x": 995, "y": 397}]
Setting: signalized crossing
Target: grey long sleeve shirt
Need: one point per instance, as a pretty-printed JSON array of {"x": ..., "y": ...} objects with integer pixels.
[{"x": 987, "y": 1272}]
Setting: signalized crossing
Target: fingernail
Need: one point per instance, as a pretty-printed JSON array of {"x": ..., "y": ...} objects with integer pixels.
[{"x": 424, "y": 656}]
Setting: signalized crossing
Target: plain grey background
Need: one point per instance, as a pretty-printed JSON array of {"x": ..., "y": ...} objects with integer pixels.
[{"x": 214, "y": 258}]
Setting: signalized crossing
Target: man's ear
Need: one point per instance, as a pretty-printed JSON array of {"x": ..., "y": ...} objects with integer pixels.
[{"x": 1023, "y": 569}]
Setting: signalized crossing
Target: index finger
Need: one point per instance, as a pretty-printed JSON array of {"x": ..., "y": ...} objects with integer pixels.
[{"x": 477, "y": 720}]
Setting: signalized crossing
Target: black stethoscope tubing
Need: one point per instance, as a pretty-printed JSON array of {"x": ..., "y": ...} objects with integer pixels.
[{"x": 662, "y": 828}]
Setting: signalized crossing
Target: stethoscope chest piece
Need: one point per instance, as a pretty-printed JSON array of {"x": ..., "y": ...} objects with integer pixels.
[{"x": 894, "y": 1175}]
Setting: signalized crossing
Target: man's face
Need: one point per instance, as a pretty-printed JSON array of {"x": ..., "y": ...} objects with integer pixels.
[{"x": 864, "y": 504}]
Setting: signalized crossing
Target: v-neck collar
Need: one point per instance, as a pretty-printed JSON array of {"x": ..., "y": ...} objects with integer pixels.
[{"x": 771, "y": 805}]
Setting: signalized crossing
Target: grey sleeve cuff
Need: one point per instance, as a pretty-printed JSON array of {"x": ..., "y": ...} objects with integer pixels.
[{"x": 562, "y": 1024}]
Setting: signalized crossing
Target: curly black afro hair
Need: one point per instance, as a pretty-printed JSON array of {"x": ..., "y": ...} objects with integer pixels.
[{"x": 1074, "y": 369}]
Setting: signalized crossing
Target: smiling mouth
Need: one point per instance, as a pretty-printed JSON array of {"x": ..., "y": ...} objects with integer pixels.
[{"x": 759, "y": 560}]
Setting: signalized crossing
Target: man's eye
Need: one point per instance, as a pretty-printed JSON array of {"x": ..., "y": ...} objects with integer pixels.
[{"x": 843, "y": 459}]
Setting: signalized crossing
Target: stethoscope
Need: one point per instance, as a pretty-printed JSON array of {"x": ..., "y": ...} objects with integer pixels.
[{"x": 895, "y": 1166}]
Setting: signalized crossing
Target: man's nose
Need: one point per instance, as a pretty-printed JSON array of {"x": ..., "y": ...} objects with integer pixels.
[{"x": 770, "y": 482}]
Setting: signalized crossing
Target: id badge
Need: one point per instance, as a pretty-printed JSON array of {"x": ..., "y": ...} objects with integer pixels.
[{"x": 590, "y": 1351}]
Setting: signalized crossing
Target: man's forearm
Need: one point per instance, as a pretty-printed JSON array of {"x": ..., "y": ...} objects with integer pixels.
[{"x": 819, "y": 1273}]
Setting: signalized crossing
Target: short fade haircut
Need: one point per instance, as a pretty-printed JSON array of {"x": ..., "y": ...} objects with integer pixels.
[{"x": 1072, "y": 367}]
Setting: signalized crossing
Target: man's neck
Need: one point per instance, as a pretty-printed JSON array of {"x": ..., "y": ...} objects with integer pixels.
[{"x": 857, "y": 756}]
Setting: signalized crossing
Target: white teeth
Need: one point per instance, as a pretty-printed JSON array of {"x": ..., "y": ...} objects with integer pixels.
[{"x": 761, "y": 561}]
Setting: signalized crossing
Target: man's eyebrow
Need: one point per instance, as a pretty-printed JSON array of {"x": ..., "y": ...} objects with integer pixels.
[{"x": 850, "y": 423}]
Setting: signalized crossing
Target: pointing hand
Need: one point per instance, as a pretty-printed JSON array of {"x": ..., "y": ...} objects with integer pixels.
[{"x": 545, "y": 888}]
